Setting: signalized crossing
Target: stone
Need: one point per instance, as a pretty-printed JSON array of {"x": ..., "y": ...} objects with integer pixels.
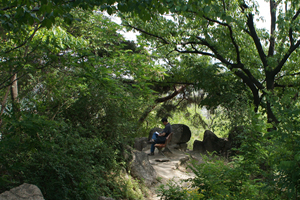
[
  {"x": 140, "y": 143},
  {"x": 199, "y": 146},
  {"x": 182, "y": 134},
  {"x": 105, "y": 198},
  {"x": 141, "y": 168},
  {"x": 182, "y": 164},
  {"x": 213, "y": 142},
  {"x": 210, "y": 143},
  {"x": 23, "y": 192},
  {"x": 181, "y": 147}
]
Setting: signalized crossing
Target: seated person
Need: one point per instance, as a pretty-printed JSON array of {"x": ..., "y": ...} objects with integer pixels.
[{"x": 161, "y": 137}]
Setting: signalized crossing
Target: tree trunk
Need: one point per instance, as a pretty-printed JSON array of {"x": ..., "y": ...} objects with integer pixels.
[
  {"x": 14, "y": 95},
  {"x": 270, "y": 79}
]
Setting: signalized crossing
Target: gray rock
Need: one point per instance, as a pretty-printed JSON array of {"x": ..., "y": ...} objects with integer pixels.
[
  {"x": 210, "y": 143},
  {"x": 23, "y": 192},
  {"x": 141, "y": 168},
  {"x": 199, "y": 146},
  {"x": 105, "y": 198},
  {"x": 213, "y": 142},
  {"x": 181, "y": 147},
  {"x": 140, "y": 143},
  {"x": 182, "y": 134},
  {"x": 182, "y": 162}
]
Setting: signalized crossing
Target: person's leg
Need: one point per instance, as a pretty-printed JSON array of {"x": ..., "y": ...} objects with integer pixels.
[
  {"x": 152, "y": 148},
  {"x": 154, "y": 136}
]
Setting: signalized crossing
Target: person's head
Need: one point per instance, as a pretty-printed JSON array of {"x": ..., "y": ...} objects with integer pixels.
[{"x": 164, "y": 120}]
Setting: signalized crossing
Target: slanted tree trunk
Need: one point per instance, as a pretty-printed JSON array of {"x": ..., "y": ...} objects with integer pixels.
[{"x": 14, "y": 95}]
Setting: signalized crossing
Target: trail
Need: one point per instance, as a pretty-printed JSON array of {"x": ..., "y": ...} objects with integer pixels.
[{"x": 172, "y": 166}]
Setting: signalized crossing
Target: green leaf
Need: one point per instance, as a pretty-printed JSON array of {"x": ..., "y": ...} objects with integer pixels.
[
  {"x": 206, "y": 9},
  {"x": 184, "y": 8}
]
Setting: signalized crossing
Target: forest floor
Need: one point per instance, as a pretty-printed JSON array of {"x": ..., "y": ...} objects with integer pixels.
[{"x": 170, "y": 167}]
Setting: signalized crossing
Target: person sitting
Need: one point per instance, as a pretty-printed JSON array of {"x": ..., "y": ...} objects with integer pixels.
[{"x": 160, "y": 138}]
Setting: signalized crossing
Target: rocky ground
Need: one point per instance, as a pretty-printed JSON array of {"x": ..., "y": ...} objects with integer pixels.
[{"x": 172, "y": 166}]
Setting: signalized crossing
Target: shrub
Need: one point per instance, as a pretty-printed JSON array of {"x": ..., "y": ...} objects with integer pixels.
[{"x": 60, "y": 161}]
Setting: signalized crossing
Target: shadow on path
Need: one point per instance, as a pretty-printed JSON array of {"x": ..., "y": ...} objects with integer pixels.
[{"x": 168, "y": 168}]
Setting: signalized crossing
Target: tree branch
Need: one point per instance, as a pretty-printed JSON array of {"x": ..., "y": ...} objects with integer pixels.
[
  {"x": 195, "y": 51},
  {"x": 256, "y": 40},
  {"x": 286, "y": 56},
  {"x": 291, "y": 30},
  {"x": 160, "y": 100},
  {"x": 176, "y": 92},
  {"x": 214, "y": 50},
  {"x": 239, "y": 65},
  {"x": 273, "y": 6},
  {"x": 231, "y": 37},
  {"x": 283, "y": 86},
  {"x": 252, "y": 87},
  {"x": 251, "y": 77},
  {"x": 150, "y": 34},
  {"x": 28, "y": 39},
  {"x": 287, "y": 75}
]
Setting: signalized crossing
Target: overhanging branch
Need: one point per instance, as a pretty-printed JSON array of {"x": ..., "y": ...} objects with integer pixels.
[
  {"x": 231, "y": 36},
  {"x": 291, "y": 30},
  {"x": 286, "y": 56},
  {"x": 256, "y": 40},
  {"x": 175, "y": 93},
  {"x": 147, "y": 33},
  {"x": 28, "y": 39}
]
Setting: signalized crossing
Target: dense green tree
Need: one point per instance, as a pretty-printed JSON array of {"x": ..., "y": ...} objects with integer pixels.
[
  {"x": 249, "y": 63},
  {"x": 80, "y": 90},
  {"x": 263, "y": 60},
  {"x": 22, "y": 20}
]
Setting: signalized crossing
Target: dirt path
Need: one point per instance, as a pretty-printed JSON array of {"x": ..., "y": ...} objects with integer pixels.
[{"x": 169, "y": 167}]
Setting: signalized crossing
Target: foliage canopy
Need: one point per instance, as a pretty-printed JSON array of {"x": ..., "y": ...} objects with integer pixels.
[{"x": 74, "y": 92}]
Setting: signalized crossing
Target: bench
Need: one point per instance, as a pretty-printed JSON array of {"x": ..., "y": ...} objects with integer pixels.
[{"x": 165, "y": 145}]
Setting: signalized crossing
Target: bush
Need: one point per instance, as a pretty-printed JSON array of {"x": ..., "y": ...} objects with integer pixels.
[
  {"x": 63, "y": 164},
  {"x": 172, "y": 191},
  {"x": 217, "y": 179}
]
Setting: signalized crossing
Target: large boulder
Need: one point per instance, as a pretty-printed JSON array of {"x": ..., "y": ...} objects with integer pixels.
[
  {"x": 23, "y": 192},
  {"x": 199, "y": 146},
  {"x": 181, "y": 133},
  {"x": 140, "y": 143},
  {"x": 141, "y": 168},
  {"x": 210, "y": 143}
]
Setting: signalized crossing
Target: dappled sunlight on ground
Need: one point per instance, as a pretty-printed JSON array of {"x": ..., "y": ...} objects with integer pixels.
[{"x": 168, "y": 168}]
